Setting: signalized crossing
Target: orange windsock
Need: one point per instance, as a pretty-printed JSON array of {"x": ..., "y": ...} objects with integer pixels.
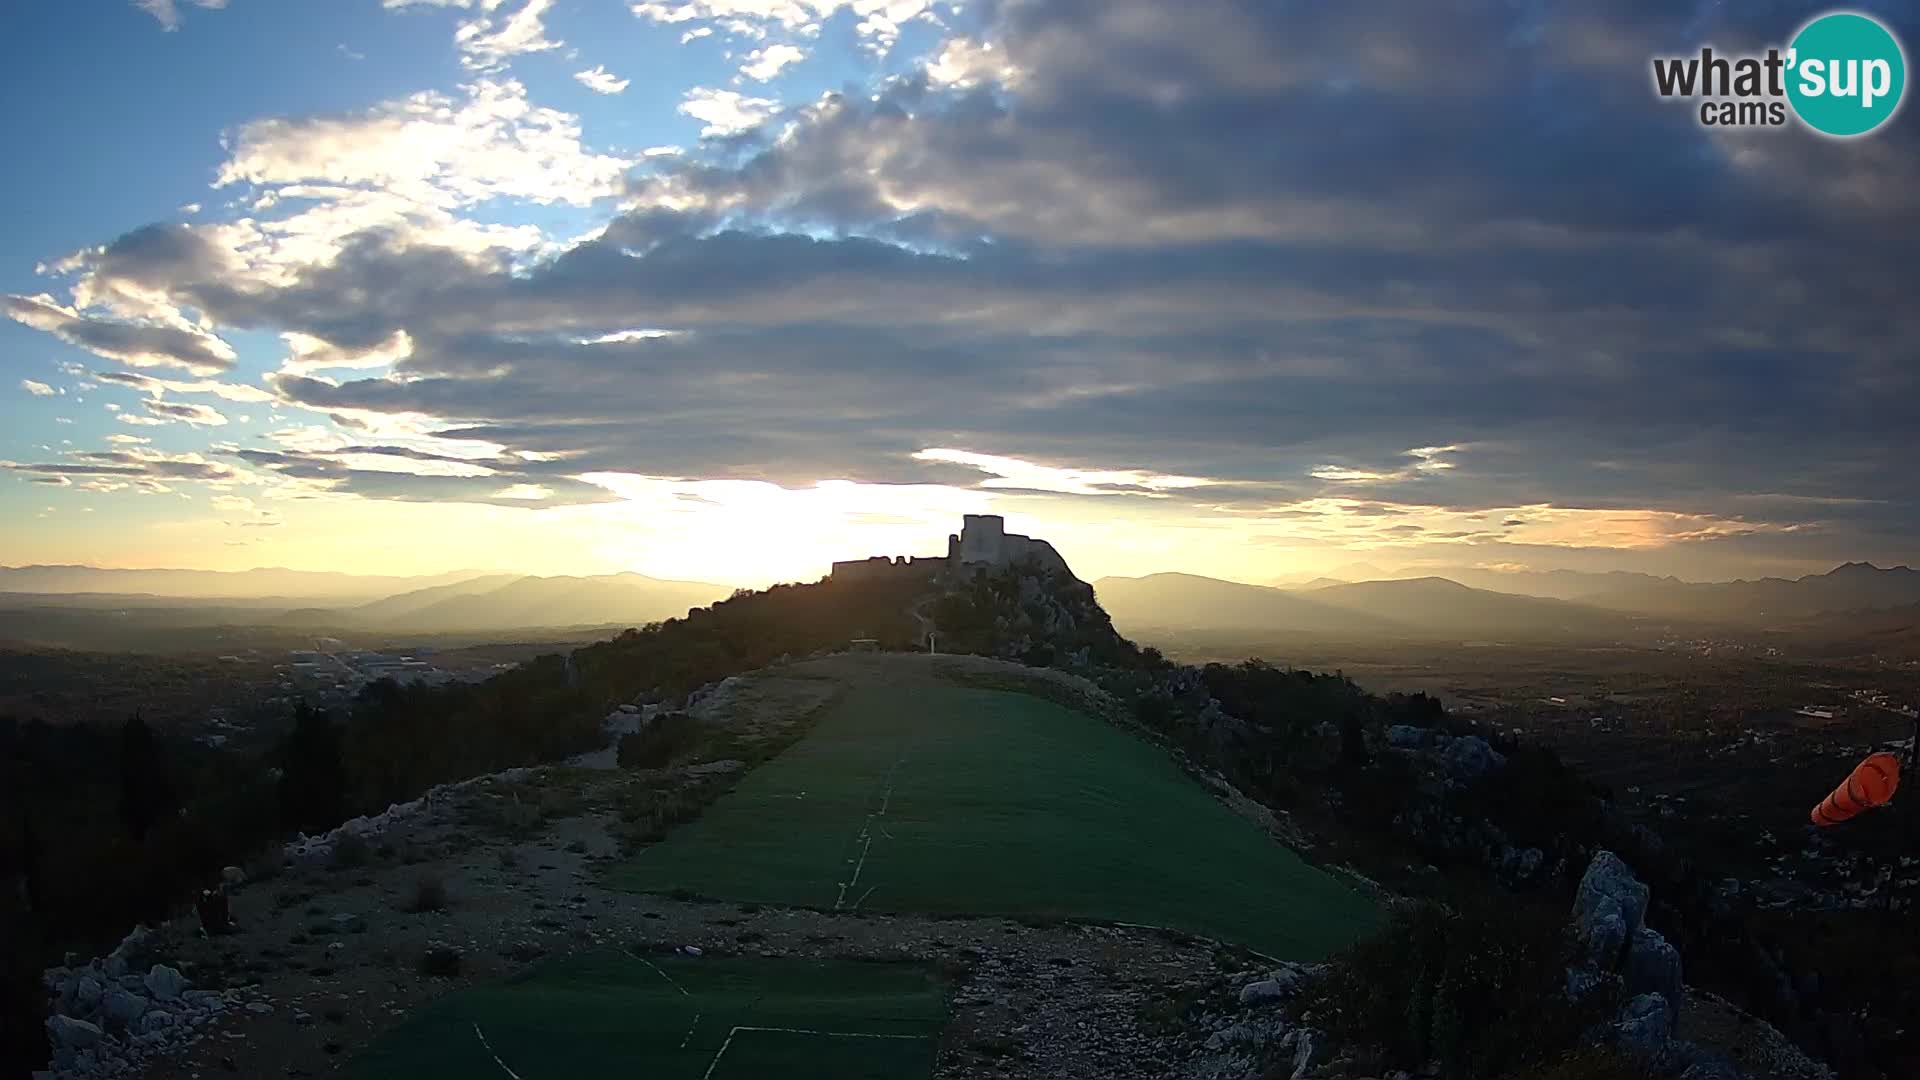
[{"x": 1872, "y": 784}]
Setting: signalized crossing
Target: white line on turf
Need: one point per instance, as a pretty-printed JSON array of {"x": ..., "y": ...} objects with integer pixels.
[
  {"x": 689, "y": 1036},
  {"x": 866, "y": 837},
  {"x": 715, "y": 1063},
  {"x": 657, "y": 971},
  {"x": 496, "y": 1057}
]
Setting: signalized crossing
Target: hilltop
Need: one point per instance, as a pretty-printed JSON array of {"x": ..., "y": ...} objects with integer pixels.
[{"x": 775, "y": 811}]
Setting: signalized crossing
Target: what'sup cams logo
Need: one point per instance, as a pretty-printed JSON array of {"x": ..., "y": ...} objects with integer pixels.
[{"x": 1843, "y": 74}]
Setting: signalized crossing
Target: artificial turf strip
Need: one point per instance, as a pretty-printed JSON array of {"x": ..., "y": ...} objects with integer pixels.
[
  {"x": 618, "y": 1015},
  {"x": 954, "y": 801}
]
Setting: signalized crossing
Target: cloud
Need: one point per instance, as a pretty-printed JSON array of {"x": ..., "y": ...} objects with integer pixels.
[
  {"x": 876, "y": 22},
  {"x": 1021, "y": 475},
  {"x": 725, "y": 112},
  {"x": 189, "y": 412},
  {"x": 487, "y": 42},
  {"x": 412, "y": 476},
  {"x": 601, "y": 81},
  {"x": 765, "y": 63},
  {"x": 129, "y": 464},
  {"x": 431, "y": 149},
  {"x": 142, "y": 345},
  {"x": 167, "y": 12},
  {"x": 306, "y": 353},
  {"x": 159, "y": 387},
  {"x": 1442, "y": 270},
  {"x": 37, "y": 388}
]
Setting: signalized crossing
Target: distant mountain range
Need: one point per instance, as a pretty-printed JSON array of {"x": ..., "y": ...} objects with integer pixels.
[
  {"x": 506, "y": 600},
  {"x": 1491, "y": 603},
  {"x": 267, "y": 584},
  {"x": 1416, "y": 607},
  {"x": 292, "y": 599}
]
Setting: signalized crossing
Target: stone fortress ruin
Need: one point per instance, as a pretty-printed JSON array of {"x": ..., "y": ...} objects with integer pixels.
[{"x": 982, "y": 544}]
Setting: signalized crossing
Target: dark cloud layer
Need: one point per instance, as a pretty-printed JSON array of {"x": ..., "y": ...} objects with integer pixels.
[{"x": 1235, "y": 240}]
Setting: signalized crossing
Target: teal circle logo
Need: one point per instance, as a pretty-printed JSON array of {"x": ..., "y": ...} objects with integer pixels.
[{"x": 1847, "y": 74}]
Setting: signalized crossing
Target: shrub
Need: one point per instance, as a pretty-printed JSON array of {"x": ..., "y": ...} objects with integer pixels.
[
  {"x": 660, "y": 742},
  {"x": 1481, "y": 990},
  {"x": 429, "y": 894},
  {"x": 440, "y": 960},
  {"x": 558, "y": 803},
  {"x": 351, "y": 852},
  {"x": 516, "y": 819}
]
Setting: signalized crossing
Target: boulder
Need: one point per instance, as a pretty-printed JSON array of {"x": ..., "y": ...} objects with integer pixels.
[
  {"x": 1653, "y": 967},
  {"x": 1608, "y": 877},
  {"x": 232, "y": 876},
  {"x": 156, "y": 1020},
  {"x": 87, "y": 993},
  {"x": 66, "y": 1033},
  {"x": 1519, "y": 865},
  {"x": 1310, "y": 1052},
  {"x": 348, "y": 922},
  {"x": 123, "y": 1008},
  {"x": 1472, "y": 757},
  {"x": 165, "y": 983},
  {"x": 1265, "y": 992},
  {"x": 1644, "y": 1026},
  {"x": 1711, "y": 1070},
  {"x": 1407, "y": 737},
  {"x": 1581, "y": 982},
  {"x": 1604, "y": 933}
]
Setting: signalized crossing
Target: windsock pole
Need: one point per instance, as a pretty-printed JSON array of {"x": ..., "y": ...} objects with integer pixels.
[{"x": 1912, "y": 813}]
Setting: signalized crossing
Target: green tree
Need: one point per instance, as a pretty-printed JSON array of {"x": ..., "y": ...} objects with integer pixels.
[
  {"x": 312, "y": 779},
  {"x": 147, "y": 796}
]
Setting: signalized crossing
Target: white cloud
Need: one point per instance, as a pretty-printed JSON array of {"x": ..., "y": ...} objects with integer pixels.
[
  {"x": 111, "y": 469},
  {"x": 1428, "y": 460},
  {"x": 878, "y": 22},
  {"x": 140, "y": 344},
  {"x": 1010, "y": 472},
  {"x": 168, "y": 11},
  {"x": 531, "y": 492},
  {"x": 127, "y": 440},
  {"x": 725, "y": 112},
  {"x": 160, "y": 387},
  {"x": 765, "y": 63},
  {"x": 1340, "y": 474},
  {"x": 307, "y": 354},
  {"x": 964, "y": 62},
  {"x": 601, "y": 81},
  {"x": 37, "y": 388},
  {"x": 430, "y": 150},
  {"x": 486, "y": 42},
  {"x": 186, "y": 411}
]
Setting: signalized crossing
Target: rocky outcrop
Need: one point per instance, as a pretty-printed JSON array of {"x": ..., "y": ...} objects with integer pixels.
[
  {"x": 109, "y": 1019},
  {"x": 306, "y": 848},
  {"x": 1619, "y": 949}
]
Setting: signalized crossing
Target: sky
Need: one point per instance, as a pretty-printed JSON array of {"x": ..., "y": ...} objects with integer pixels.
[{"x": 727, "y": 289}]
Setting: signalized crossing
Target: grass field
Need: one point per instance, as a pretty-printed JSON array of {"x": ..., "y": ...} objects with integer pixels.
[
  {"x": 950, "y": 801},
  {"x": 612, "y": 1014}
]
